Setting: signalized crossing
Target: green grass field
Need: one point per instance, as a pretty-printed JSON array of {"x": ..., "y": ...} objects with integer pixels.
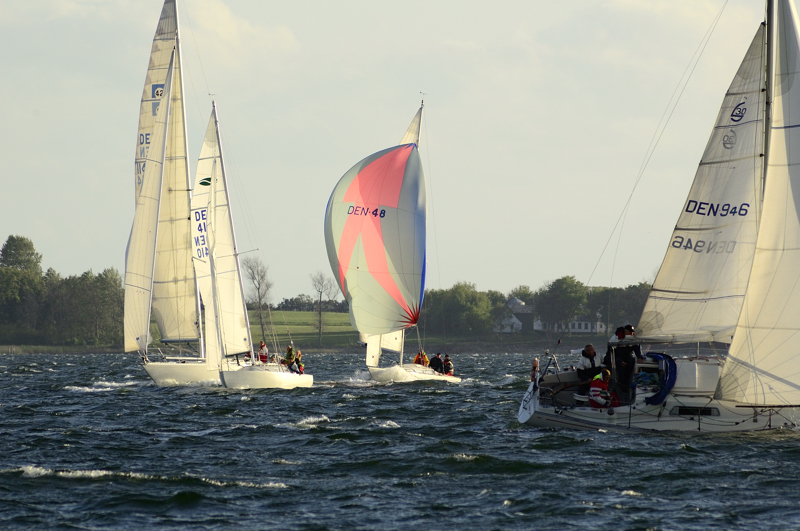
[
  {"x": 301, "y": 326},
  {"x": 339, "y": 335}
]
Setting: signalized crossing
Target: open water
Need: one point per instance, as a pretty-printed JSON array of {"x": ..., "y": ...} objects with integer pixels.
[{"x": 89, "y": 442}]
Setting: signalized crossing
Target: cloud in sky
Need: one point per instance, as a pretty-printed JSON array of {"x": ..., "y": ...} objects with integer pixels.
[{"x": 538, "y": 115}]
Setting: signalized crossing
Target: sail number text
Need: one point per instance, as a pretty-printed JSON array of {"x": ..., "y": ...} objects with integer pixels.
[
  {"x": 200, "y": 242},
  {"x": 702, "y": 208},
  {"x": 703, "y": 246},
  {"x": 364, "y": 211}
]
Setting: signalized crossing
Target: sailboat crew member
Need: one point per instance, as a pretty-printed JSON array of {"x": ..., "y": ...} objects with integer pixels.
[
  {"x": 599, "y": 397},
  {"x": 448, "y": 365},
  {"x": 588, "y": 367},
  {"x": 437, "y": 364},
  {"x": 623, "y": 362}
]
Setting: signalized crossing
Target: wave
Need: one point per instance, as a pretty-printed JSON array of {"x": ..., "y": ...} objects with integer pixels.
[
  {"x": 101, "y": 386},
  {"x": 32, "y": 471}
]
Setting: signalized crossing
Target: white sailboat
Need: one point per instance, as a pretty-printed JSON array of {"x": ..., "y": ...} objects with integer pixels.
[
  {"x": 159, "y": 274},
  {"x": 375, "y": 237},
  {"x": 219, "y": 275},
  {"x": 731, "y": 270}
]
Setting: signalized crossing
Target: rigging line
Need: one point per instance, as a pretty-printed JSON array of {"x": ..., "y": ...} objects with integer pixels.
[
  {"x": 243, "y": 203},
  {"x": 659, "y": 131},
  {"x": 657, "y": 134},
  {"x": 435, "y": 236},
  {"x": 242, "y": 198},
  {"x": 199, "y": 61}
]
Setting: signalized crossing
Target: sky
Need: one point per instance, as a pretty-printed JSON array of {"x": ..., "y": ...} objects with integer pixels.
[{"x": 538, "y": 117}]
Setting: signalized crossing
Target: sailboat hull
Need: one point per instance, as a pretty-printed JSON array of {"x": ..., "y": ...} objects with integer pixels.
[
  {"x": 689, "y": 406},
  {"x": 269, "y": 376},
  {"x": 166, "y": 374},
  {"x": 409, "y": 373},
  {"x": 715, "y": 416}
]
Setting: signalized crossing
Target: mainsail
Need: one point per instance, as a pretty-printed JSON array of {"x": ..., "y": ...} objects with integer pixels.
[
  {"x": 375, "y": 236},
  {"x": 141, "y": 251},
  {"x": 217, "y": 258},
  {"x": 165, "y": 42},
  {"x": 175, "y": 304},
  {"x": 762, "y": 366},
  {"x": 698, "y": 292}
]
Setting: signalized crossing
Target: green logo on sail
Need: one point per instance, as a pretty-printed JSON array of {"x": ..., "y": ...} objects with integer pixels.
[{"x": 205, "y": 182}]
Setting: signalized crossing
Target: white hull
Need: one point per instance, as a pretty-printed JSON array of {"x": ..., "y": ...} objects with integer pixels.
[
  {"x": 268, "y": 376},
  {"x": 688, "y": 407},
  {"x": 409, "y": 373},
  {"x": 170, "y": 373},
  {"x": 725, "y": 417}
]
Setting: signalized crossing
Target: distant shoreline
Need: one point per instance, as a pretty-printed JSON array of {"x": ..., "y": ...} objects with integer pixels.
[{"x": 494, "y": 344}]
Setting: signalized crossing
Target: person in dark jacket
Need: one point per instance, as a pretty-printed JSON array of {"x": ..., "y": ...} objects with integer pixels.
[
  {"x": 437, "y": 364},
  {"x": 621, "y": 360}
]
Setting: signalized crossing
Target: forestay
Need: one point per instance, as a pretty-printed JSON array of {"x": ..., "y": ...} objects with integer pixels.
[
  {"x": 762, "y": 365},
  {"x": 141, "y": 250},
  {"x": 698, "y": 292},
  {"x": 201, "y": 196},
  {"x": 375, "y": 236}
]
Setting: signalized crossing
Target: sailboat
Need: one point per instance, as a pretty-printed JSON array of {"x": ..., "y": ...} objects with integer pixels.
[
  {"x": 227, "y": 325},
  {"x": 730, "y": 274},
  {"x": 375, "y": 237},
  {"x": 159, "y": 274}
]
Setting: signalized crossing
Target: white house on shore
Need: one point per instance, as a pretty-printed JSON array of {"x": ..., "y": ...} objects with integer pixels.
[
  {"x": 518, "y": 317},
  {"x": 580, "y": 325}
]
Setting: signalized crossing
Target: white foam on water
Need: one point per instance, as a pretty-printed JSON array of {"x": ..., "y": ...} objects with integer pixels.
[
  {"x": 387, "y": 424},
  {"x": 308, "y": 423},
  {"x": 87, "y": 389},
  {"x": 246, "y": 484},
  {"x": 35, "y": 471},
  {"x": 284, "y": 462},
  {"x": 114, "y": 384},
  {"x": 100, "y": 386}
]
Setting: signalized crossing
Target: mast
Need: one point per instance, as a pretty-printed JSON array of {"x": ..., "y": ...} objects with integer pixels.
[
  {"x": 233, "y": 231},
  {"x": 212, "y": 222},
  {"x": 179, "y": 57},
  {"x": 770, "y": 87},
  {"x": 167, "y": 102}
]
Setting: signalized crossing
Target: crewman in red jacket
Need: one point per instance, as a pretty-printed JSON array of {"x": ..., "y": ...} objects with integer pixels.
[{"x": 599, "y": 397}]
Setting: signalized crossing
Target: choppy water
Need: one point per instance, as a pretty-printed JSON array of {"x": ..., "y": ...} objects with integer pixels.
[{"x": 88, "y": 442}]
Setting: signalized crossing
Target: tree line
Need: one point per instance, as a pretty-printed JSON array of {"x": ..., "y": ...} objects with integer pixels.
[
  {"x": 44, "y": 308},
  {"x": 464, "y": 310}
]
